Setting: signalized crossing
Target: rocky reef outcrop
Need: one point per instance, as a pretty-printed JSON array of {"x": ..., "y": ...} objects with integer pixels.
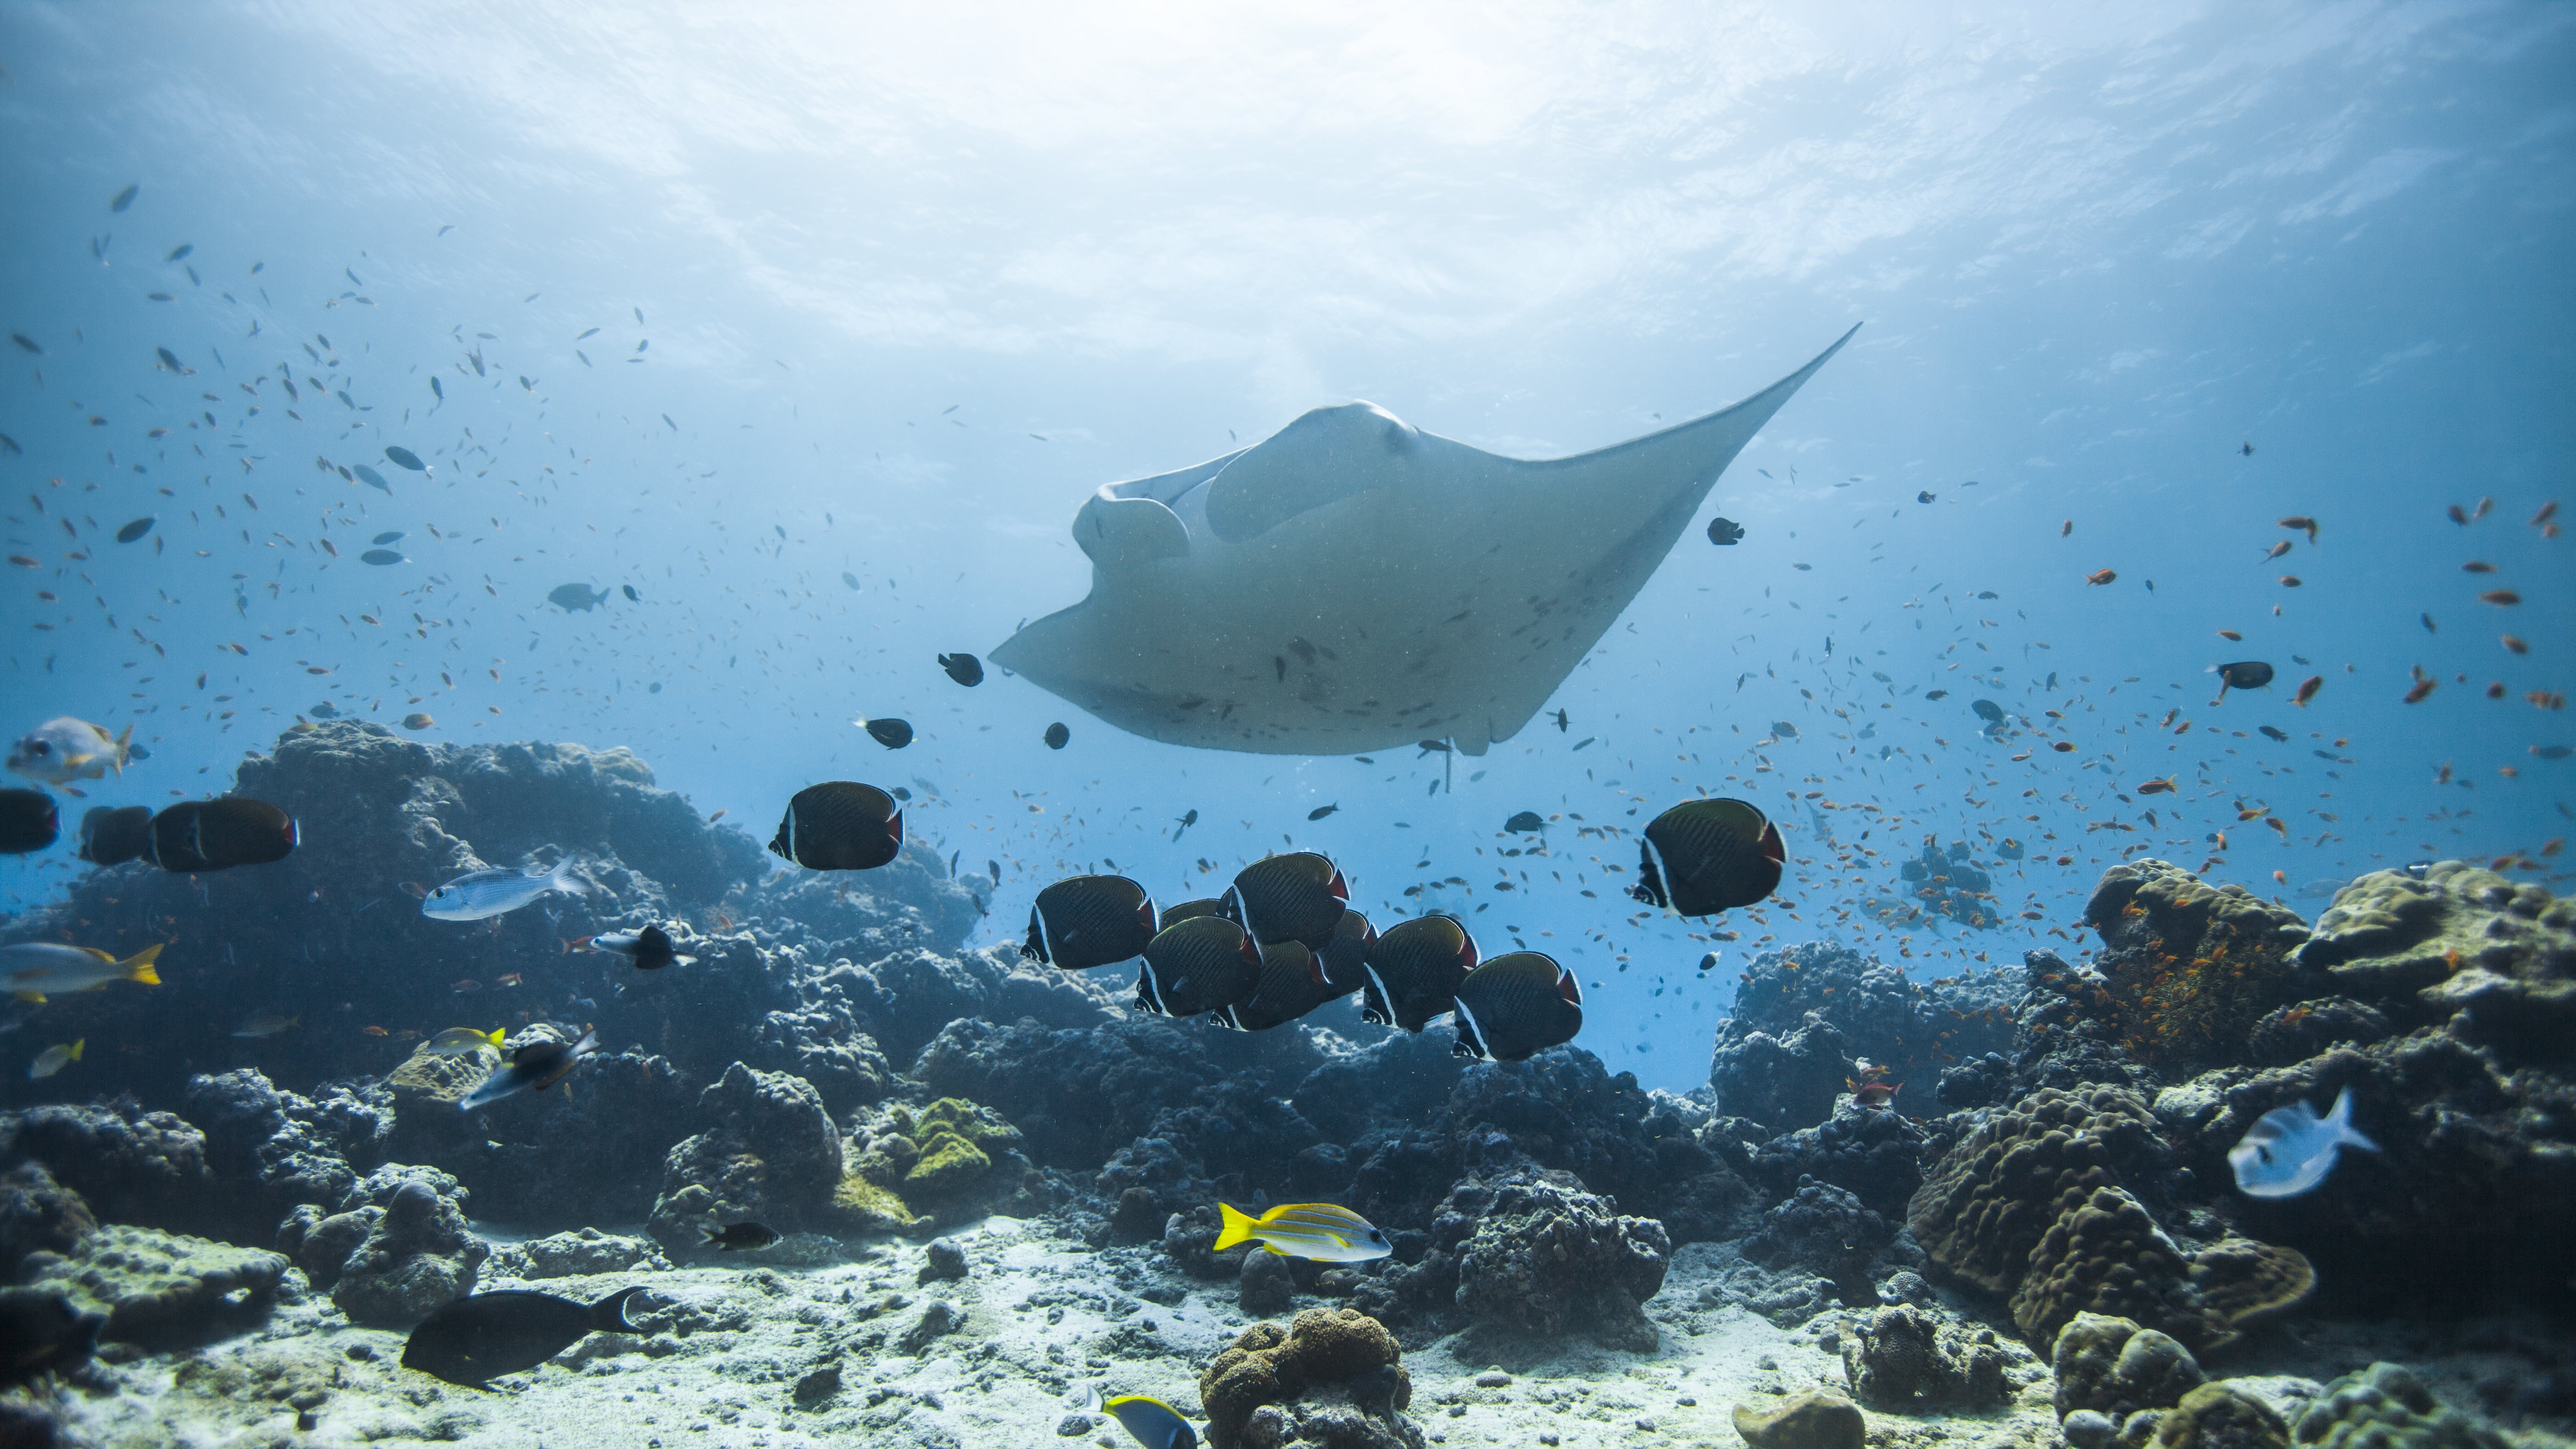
[
  {"x": 1802, "y": 1017},
  {"x": 1529, "y": 1253},
  {"x": 769, "y": 1154}
]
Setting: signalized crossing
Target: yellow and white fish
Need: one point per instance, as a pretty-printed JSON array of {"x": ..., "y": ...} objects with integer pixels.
[
  {"x": 54, "y": 1058},
  {"x": 1316, "y": 1230},
  {"x": 1148, "y": 1420},
  {"x": 32, "y": 970},
  {"x": 459, "y": 1041},
  {"x": 60, "y": 751}
]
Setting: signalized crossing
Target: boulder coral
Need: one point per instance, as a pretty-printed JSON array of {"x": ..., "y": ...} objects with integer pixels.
[
  {"x": 2191, "y": 967},
  {"x": 1340, "y": 1349}
]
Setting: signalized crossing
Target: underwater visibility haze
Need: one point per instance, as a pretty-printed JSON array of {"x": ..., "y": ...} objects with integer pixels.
[{"x": 1354, "y": 725}]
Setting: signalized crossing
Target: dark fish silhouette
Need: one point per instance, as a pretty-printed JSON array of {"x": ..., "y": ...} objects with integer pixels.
[
  {"x": 371, "y": 478},
  {"x": 531, "y": 1068},
  {"x": 1516, "y": 1006},
  {"x": 650, "y": 949},
  {"x": 1206, "y": 906},
  {"x": 1725, "y": 531},
  {"x": 42, "y": 1332},
  {"x": 1320, "y": 811},
  {"x": 1294, "y": 897},
  {"x": 840, "y": 825},
  {"x": 125, "y": 198},
  {"x": 632, "y": 597},
  {"x": 1089, "y": 920},
  {"x": 476, "y": 1339},
  {"x": 894, "y": 734},
  {"x": 1292, "y": 984},
  {"x": 1057, "y": 736},
  {"x": 966, "y": 669},
  {"x": 577, "y": 596},
  {"x": 135, "y": 530},
  {"x": 1414, "y": 969},
  {"x": 1344, "y": 957},
  {"x": 380, "y": 557},
  {"x": 1988, "y": 710},
  {"x": 2271, "y": 733},
  {"x": 28, "y": 821},
  {"x": 1196, "y": 965},
  {"x": 738, "y": 1237},
  {"x": 2244, "y": 674},
  {"x": 403, "y": 457},
  {"x": 115, "y": 836},
  {"x": 390, "y": 535},
  {"x": 196, "y": 836},
  {"x": 1705, "y": 856},
  {"x": 1524, "y": 822}
]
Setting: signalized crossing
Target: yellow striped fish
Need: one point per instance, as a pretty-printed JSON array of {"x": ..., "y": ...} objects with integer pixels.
[
  {"x": 1316, "y": 1230},
  {"x": 1150, "y": 1421}
]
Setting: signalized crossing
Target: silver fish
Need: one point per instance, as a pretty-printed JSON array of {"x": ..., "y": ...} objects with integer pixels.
[
  {"x": 2289, "y": 1150},
  {"x": 485, "y": 893}
]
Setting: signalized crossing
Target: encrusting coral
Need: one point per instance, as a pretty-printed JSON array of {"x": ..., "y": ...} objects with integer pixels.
[{"x": 2191, "y": 966}]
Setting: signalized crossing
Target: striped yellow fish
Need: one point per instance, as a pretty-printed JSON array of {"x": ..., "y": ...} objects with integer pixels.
[{"x": 1316, "y": 1230}]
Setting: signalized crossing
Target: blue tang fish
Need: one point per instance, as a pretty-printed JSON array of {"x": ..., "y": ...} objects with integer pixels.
[{"x": 2289, "y": 1150}]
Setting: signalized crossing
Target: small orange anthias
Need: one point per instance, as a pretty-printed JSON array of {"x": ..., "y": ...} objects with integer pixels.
[{"x": 1872, "y": 1091}]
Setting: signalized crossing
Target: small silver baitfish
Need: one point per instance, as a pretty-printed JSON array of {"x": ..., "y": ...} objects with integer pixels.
[
  {"x": 2289, "y": 1150},
  {"x": 484, "y": 893}
]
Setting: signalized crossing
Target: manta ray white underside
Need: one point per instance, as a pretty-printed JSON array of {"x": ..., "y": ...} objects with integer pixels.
[{"x": 1353, "y": 583}]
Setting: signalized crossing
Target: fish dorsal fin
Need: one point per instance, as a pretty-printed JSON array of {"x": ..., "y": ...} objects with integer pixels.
[{"x": 1325, "y": 456}]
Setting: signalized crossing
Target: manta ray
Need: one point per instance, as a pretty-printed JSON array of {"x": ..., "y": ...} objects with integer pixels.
[{"x": 1353, "y": 583}]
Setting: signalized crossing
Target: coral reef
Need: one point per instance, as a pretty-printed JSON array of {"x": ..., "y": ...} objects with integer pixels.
[
  {"x": 1809, "y": 1419},
  {"x": 1910, "y": 1360},
  {"x": 129, "y": 1165},
  {"x": 1335, "y": 1347},
  {"x": 2115, "y": 1368},
  {"x": 398, "y": 1248},
  {"x": 770, "y": 1154},
  {"x": 945, "y": 1162},
  {"x": 2385, "y": 1406},
  {"x": 2105, "y": 1255},
  {"x": 160, "y": 1287},
  {"x": 1823, "y": 1230},
  {"x": 2191, "y": 967},
  {"x": 577, "y": 1254},
  {"x": 2221, "y": 1416},
  {"x": 1531, "y": 1253},
  {"x": 1987, "y": 1203},
  {"x": 2456, "y": 939},
  {"x": 1875, "y": 1154},
  {"x": 38, "y": 1214},
  {"x": 1790, "y": 1078}
]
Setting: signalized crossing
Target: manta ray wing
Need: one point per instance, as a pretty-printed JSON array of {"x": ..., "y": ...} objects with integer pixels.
[{"x": 1353, "y": 583}]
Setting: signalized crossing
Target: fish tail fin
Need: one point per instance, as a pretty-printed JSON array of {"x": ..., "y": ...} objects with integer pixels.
[
  {"x": 76, "y": 1047},
  {"x": 32, "y": 998},
  {"x": 495, "y": 1036},
  {"x": 124, "y": 747},
  {"x": 713, "y": 1235},
  {"x": 1237, "y": 1229},
  {"x": 562, "y": 878},
  {"x": 2341, "y": 1120},
  {"x": 138, "y": 967},
  {"x": 608, "y": 1315}
]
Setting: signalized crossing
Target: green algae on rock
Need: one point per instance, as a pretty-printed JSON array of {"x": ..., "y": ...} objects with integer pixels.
[
  {"x": 944, "y": 1162},
  {"x": 154, "y": 1285}
]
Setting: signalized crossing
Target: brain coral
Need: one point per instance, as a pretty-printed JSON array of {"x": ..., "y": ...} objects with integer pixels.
[
  {"x": 1990, "y": 1199},
  {"x": 1272, "y": 1365}
]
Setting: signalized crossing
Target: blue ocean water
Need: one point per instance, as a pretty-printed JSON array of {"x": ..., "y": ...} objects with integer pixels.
[{"x": 879, "y": 301}]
